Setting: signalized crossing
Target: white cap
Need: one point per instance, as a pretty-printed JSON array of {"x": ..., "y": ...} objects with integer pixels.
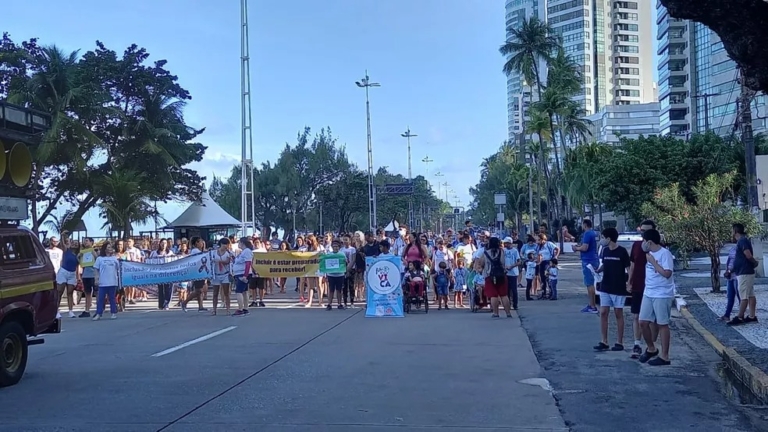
[{"x": 508, "y": 240}]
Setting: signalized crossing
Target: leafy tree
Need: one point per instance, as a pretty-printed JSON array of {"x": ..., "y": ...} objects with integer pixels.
[
  {"x": 124, "y": 201},
  {"x": 345, "y": 201},
  {"x": 706, "y": 223},
  {"x": 110, "y": 113}
]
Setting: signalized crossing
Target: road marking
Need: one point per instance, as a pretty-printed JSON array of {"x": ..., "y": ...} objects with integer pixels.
[
  {"x": 291, "y": 306},
  {"x": 194, "y": 341}
]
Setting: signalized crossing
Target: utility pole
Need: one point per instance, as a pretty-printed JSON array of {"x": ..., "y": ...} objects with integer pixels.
[
  {"x": 408, "y": 135},
  {"x": 427, "y": 161},
  {"x": 706, "y": 97},
  {"x": 366, "y": 83},
  {"x": 246, "y": 162},
  {"x": 747, "y": 138},
  {"x": 438, "y": 175}
]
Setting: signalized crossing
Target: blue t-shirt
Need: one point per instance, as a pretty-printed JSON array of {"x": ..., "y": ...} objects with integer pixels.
[
  {"x": 511, "y": 256},
  {"x": 69, "y": 261},
  {"x": 529, "y": 248},
  {"x": 740, "y": 264},
  {"x": 547, "y": 251},
  {"x": 589, "y": 239}
]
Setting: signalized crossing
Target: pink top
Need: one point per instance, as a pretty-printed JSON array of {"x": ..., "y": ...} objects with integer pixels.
[{"x": 413, "y": 254}]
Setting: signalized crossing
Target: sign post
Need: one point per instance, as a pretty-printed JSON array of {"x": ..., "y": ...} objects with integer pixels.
[{"x": 500, "y": 200}]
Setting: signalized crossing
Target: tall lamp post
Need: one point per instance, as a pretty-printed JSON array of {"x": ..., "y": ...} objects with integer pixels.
[
  {"x": 366, "y": 84},
  {"x": 438, "y": 175},
  {"x": 408, "y": 135}
]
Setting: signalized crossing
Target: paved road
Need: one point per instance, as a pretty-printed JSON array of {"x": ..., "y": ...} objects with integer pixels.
[
  {"x": 280, "y": 370},
  {"x": 293, "y": 369}
]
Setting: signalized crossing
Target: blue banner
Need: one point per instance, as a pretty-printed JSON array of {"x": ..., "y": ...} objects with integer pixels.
[
  {"x": 383, "y": 284},
  {"x": 166, "y": 270}
]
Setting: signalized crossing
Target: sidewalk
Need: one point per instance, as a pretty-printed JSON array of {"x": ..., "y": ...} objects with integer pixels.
[
  {"x": 609, "y": 391},
  {"x": 744, "y": 348}
]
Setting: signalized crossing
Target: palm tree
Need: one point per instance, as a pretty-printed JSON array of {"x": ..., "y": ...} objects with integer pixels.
[
  {"x": 540, "y": 125},
  {"x": 532, "y": 42},
  {"x": 581, "y": 168},
  {"x": 574, "y": 123},
  {"x": 125, "y": 201},
  {"x": 56, "y": 88},
  {"x": 60, "y": 224}
]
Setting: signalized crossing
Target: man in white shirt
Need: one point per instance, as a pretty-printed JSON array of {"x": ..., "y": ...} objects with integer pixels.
[
  {"x": 658, "y": 296},
  {"x": 466, "y": 250},
  {"x": 399, "y": 244}
]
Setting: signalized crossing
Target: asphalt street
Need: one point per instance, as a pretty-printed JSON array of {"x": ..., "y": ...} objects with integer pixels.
[
  {"x": 282, "y": 369},
  {"x": 288, "y": 368}
]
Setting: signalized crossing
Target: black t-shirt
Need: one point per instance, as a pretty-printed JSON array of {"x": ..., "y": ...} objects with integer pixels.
[
  {"x": 615, "y": 262},
  {"x": 519, "y": 244},
  {"x": 371, "y": 249}
]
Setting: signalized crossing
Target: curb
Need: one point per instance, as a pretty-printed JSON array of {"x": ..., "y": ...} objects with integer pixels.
[{"x": 755, "y": 379}]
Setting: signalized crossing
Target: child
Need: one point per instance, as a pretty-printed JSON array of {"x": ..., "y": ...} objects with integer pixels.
[
  {"x": 460, "y": 276},
  {"x": 479, "y": 282},
  {"x": 442, "y": 278},
  {"x": 530, "y": 275},
  {"x": 552, "y": 273},
  {"x": 414, "y": 275},
  {"x": 105, "y": 277}
]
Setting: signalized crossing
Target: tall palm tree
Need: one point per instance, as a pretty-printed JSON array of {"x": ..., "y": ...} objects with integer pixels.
[
  {"x": 59, "y": 224},
  {"x": 125, "y": 201},
  {"x": 574, "y": 123},
  {"x": 56, "y": 89},
  {"x": 532, "y": 42},
  {"x": 539, "y": 124}
]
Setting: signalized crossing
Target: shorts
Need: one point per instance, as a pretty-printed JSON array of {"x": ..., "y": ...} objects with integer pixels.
[
  {"x": 255, "y": 283},
  {"x": 612, "y": 300},
  {"x": 240, "y": 286},
  {"x": 197, "y": 285},
  {"x": 460, "y": 288},
  {"x": 499, "y": 289},
  {"x": 88, "y": 285},
  {"x": 66, "y": 277},
  {"x": 746, "y": 285},
  {"x": 657, "y": 310},
  {"x": 219, "y": 280},
  {"x": 442, "y": 290},
  {"x": 637, "y": 300},
  {"x": 589, "y": 278},
  {"x": 336, "y": 283}
]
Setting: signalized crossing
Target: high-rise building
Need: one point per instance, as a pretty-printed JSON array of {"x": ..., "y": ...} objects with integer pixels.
[
  {"x": 675, "y": 69},
  {"x": 698, "y": 82},
  {"x": 611, "y": 40},
  {"x": 518, "y": 91}
]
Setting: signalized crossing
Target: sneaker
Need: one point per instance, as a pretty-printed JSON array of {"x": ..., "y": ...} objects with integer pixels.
[
  {"x": 96, "y": 318},
  {"x": 58, "y": 315},
  {"x": 750, "y": 320},
  {"x": 617, "y": 347},
  {"x": 340, "y": 307},
  {"x": 72, "y": 314},
  {"x": 202, "y": 309},
  {"x": 238, "y": 313},
  {"x": 261, "y": 304},
  {"x": 131, "y": 301},
  {"x": 245, "y": 312},
  {"x": 253, "y": 304},
  {"x": 85, "y": 315},
  {"x": 636, "y": 352},
  {"x": 328, "y": 307},
  {"x": 735, "y": 321},
  {"x": 113, "y": 316},
  {"x": 586, "y": 309},
  {"x": 184, "y": 306},
  {"x": 601, "y": 347}
]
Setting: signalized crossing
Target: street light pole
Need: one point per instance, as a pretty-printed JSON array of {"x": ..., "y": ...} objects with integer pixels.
[
  {"x": 366, "y": 83},
  {"x": 438, "y": 175},
  {"x": 408, "y": 135}
]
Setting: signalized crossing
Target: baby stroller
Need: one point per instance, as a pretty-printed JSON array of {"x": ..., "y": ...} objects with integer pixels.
[
  {"x": 415, "y": 293},
  {"x": 476, "y": 301}
]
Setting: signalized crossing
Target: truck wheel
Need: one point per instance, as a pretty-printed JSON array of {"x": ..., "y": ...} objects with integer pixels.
[{"x": 13, "y": 353}]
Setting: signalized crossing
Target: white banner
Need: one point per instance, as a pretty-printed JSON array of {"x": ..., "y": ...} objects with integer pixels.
[{"x": 165, "y": 270}]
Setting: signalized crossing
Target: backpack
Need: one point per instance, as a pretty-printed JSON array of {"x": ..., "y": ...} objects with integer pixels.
[{"x": 497, "y": 271}]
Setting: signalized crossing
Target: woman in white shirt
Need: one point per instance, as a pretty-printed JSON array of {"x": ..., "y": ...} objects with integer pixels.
[
  {"x": 222, "y": 260},
  {"x": 106, "y": 278},
  {"x": 241, "y": 268}
]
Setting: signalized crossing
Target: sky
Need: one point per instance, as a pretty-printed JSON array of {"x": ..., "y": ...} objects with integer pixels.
[{"x": 437, "y": 62}]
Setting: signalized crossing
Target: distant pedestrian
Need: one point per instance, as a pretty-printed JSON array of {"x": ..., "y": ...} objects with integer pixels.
[
  {"x": 657, "y": 299},
  {"x": 636, "y": 286},
  {"x": 552, "y": 273},
  {"x": 732, "y": 288},
  {"x": 744, "y": 265},
  {"x": 588, "y": 249}
]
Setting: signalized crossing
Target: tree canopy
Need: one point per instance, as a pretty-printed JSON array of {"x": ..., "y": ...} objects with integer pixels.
[{"x": 114, "y": 117}]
